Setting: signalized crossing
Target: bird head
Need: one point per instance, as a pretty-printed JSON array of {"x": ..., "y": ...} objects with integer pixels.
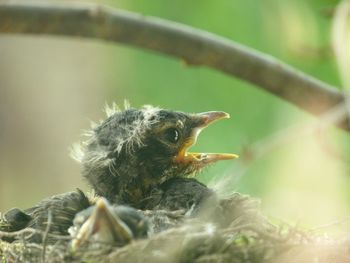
[
  {"x": 169, "y": 139},
  {"x": 136, "y": 149},
  {"x": 103, "y": 224}
]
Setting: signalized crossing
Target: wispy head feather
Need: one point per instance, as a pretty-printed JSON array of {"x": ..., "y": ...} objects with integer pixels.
[
  {"x": 136, "y": 131},
  {"x": 110, "y": 110},
  {"x": 126, "y": 105},
  {"x": 76, "y": 152},
  {"x": 133, "y": 134}
]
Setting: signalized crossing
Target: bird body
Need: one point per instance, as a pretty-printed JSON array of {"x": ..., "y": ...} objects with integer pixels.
[
  {"x": 180, "y": 194},
  {"x": 73, "y": 213},
  {"x": 67, "y": 213},
  {"x": 57, "y": 211}
]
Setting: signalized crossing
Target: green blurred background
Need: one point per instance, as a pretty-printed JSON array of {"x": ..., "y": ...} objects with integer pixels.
[{"x": 51, "y": 87}]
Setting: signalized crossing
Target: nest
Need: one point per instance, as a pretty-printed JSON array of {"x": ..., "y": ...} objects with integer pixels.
[{"x": 237, "y": 233}]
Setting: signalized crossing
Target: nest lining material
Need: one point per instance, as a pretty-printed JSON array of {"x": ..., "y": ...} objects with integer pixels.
[{"x": 239, "y": 233}]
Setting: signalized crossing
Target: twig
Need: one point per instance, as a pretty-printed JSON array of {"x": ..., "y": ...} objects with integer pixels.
[
  {"x": 195, "y": 47},
  {"x": 340, "y": 42},
  {"x": 44, "y": 239},
  {"x": 331, "y": 224},
  {"x": 292, "y": 133},
  {"x": 31, "y": 231}
]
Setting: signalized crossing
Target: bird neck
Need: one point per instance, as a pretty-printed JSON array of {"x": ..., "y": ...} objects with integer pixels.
[{"x": 123, "y": 182}]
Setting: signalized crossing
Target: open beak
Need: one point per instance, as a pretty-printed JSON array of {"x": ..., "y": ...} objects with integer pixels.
[
  {"x": 103, "y": 226},
  {"x": 201, "y": 159}
]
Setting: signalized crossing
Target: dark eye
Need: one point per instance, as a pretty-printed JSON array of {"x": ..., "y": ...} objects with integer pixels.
[{"x": 172, "y": 135}]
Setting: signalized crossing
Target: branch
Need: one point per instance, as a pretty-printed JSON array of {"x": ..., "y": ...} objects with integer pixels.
[{"x": 195, "y": 47}]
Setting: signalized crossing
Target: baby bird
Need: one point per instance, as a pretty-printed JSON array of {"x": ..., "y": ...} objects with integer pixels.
[
  {"x": 136, "y": 157},
  {"x": 74, "y": 214},
  {"x": 54, "y": 214},
  {"x": 134, "y": 151},
  {"x": 105, "y": 224}
]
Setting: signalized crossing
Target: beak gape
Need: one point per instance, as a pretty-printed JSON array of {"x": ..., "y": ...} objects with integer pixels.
[{"x": 202, "y": 159}]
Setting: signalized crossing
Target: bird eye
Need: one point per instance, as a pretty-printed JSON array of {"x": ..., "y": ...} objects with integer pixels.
[{"x": 172, "y": 135}]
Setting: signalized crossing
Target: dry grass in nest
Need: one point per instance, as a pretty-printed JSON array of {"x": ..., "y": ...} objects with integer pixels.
[{"x": 242, "y": 234}]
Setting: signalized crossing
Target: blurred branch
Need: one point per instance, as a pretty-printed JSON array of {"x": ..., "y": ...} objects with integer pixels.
[
  {"x": 195, "y": 47},
  {"x": 319, "y": 128},
  {"x": 340, "y": 42}
]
